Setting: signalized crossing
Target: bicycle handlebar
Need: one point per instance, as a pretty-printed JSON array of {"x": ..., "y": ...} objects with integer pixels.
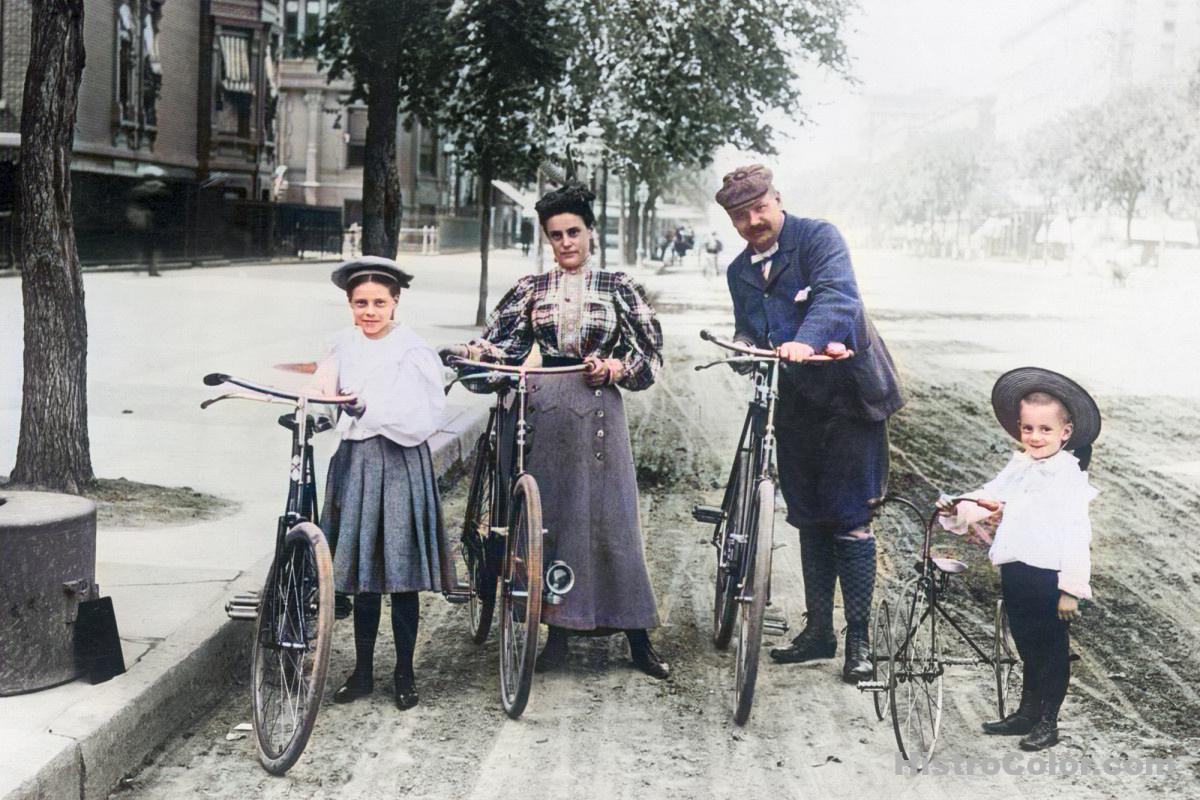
[
  {"x": 759, "y": 354},
  {"x": 218, "y": 378},
  {"x": 514, "y": 370}
]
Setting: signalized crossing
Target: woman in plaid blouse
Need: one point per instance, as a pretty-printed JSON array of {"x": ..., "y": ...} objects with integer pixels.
[{"x": 580, "y": 454}]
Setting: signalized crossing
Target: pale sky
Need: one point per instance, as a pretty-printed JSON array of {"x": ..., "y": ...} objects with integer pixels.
[{"x": 901, "y": 47}]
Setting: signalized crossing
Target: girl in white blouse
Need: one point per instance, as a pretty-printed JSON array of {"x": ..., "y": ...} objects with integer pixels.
[
  {"x": 1043, "y": 538},
  {"x": 382, "y": 508}
]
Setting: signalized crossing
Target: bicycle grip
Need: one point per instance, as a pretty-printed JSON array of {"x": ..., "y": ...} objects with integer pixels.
[
  {"x": 708, "y": 335},
  {"x": 215, "y": 378}
]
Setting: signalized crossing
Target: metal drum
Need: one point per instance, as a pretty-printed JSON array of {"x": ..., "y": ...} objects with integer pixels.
[{"x": 47, "y": 568}]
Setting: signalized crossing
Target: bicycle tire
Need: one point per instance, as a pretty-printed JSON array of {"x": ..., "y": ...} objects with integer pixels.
[
  {"x": 476, "y": 544},
  {"x": 753, "y": 608},
  {"x": 915, "y": 697},
  {"x": 520, "y": 596},
  {"x": 1006, "y": 662},
  {"x": 881, "y": 657},
  {"x": 725, "y": 595},
  {"x": 286, "y": 682}
]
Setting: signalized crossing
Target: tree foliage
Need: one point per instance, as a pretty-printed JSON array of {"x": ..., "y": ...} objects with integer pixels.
[{"x": 394, "y": 53}]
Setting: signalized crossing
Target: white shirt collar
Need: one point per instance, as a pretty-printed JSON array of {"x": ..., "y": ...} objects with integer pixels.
[{"x": 765, "y": 254}]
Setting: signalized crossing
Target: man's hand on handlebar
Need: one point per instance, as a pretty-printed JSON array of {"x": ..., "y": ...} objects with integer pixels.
[
  {"x": 799, "y": 351},
  {"x": 743, "y": 367},
  {"x": 452, "y": 351}
]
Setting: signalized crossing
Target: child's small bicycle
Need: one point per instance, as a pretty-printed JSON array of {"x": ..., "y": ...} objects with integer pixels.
[{"x": 906, "y": 654}]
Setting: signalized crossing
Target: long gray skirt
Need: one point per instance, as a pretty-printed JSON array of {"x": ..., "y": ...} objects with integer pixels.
[
  {"x": 383, "y": 517},
  {"x": 583, "y": 463}
]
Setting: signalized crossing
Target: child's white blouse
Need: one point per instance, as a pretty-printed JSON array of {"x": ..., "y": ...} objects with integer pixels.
[
  {"x": 1045, "y": 517},
  {"x": 398, "y": 377}
]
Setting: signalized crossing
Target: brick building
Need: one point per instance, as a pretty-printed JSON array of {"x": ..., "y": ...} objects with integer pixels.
[{"x": 181, "y": 93}]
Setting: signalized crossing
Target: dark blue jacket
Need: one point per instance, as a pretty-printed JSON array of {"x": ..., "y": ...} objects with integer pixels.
[{"x": 812, "y": 255}]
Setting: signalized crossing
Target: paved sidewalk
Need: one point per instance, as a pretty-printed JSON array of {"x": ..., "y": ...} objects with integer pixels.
[{"x": 150, "y": 341}]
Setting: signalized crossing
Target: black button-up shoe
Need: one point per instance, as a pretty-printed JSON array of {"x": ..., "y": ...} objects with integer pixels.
[
  {"x": 1019, "y": 722},
  {"x": 649, "y": 662},
  {"x": 858, "y": 657},
  {"x": 406, "y": 693},
  {"x": 355, "y": 687},
  {"x": 1043, "y": 735},
  {"x": 810, "y": 644}
]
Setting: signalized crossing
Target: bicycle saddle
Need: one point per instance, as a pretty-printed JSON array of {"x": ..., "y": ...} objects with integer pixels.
[{"x": 951, "y": 566}]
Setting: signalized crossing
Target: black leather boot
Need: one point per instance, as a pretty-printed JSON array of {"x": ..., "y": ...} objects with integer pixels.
[
  {"x": 1019, "y": 722},
  {"x": 858, "y": 656},
  {"x": 356, "y": 686},
  {"x": 554, "y": 654},
  {"x": 1044, "y": 733},
  {"x": 644, "y": 657},
  {"x": 812, "y": 643},
  {"x": 406, "y": 690}
]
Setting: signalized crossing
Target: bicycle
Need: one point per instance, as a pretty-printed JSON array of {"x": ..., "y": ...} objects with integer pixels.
[
  {"x": 507, "y": 559},
  {"x": 294, "y": 610},
  {"x": 906, "y": 655},
  {"x": 744, "y": 525}
]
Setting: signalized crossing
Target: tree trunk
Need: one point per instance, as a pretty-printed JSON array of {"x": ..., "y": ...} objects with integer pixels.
[
  {"x": 1130, "y": 206},
  {"x": 485, "y": 240},
  {"x": 633, "y": 220},
  {"x": 53, "y": 451},
  {"x": 381, "y": 178}
]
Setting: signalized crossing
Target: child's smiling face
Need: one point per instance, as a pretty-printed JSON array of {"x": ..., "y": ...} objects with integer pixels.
[{"x": 1045, "y": 428}]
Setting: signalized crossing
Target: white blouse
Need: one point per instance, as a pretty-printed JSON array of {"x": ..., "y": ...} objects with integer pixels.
[
  {"x": 1044, "y": 519},
  {"x": 398, "y": 378}
]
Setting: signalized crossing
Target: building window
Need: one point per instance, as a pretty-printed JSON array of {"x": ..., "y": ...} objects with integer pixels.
[
  {"x": 427, "y": 153},
  {"x": 356, "y": 137},
  {"x": 138, "y": 71},
  {"x": 301, "y": 22},
  {"x": 235, "y": 91}
]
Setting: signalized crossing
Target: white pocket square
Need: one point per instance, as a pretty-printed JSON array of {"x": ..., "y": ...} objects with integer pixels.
[{"x": 802, "y": 295}]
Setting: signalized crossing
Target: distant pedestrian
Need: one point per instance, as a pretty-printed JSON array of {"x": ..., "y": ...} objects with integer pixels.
[
  {"x": 526, "y": 235},
  {"x": 143, "y": 213},
  {"x": 1042, "y": 544},
  {"x": 712, "y": 250},
  {"x": 382, "y": 509}
]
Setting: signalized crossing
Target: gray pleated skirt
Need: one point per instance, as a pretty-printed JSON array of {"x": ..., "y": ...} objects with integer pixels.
[
  {"x": 383, "y": 517},
  {"x": 583, "y": 463}
]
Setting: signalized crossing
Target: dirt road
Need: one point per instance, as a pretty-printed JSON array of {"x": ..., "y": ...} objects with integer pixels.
[{"x": 600, "y": 729}]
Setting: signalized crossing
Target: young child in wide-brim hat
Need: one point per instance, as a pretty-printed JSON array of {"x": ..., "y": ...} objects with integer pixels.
[{"x": 1042, "y": 543}]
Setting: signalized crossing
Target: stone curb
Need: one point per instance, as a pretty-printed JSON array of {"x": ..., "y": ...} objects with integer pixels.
[{"x": 92, "y": 745}]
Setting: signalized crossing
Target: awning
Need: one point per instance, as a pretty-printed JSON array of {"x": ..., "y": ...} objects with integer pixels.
[
  {"x": 523, "y": 199},
  {"x": 235, "y": 64}
]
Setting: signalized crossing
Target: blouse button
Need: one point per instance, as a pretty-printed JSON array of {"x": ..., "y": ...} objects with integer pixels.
[
  {"x": 600, "y": 413},
  {"x": 599, "y": 456},
  {"x": 600, "y": 434},
  {"x": 598, "y": 393}
]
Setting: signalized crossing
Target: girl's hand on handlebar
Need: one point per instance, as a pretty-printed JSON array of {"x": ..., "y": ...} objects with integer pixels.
[{"x": 356, "y": 409}]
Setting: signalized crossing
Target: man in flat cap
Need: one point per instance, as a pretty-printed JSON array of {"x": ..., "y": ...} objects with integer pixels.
[{"x": 793, "y": 290}]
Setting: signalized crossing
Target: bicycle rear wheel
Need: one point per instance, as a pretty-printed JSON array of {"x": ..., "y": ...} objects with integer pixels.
[
  {"x": 520, "y": 596},
  {"x": 477, "y": 547},
  {"x": 291, "y": 648},
  {"x": 916, "y": 694},
  {"x": 1005, "y": 662},
  {"x": 881, "y": 657},
  {"x": 725, "y": 598},
  {"x": 752, "y": 601}
]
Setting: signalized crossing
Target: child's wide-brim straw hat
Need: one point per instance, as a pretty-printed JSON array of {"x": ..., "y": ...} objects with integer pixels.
[
  {"x": 369, "y": 265},
  {"x": 1016, "y": 384}
]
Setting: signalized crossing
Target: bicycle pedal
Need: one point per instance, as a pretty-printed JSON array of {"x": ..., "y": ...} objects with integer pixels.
[
  {"x": 872, "y": 686},
  {"x": 710, "y": 515},
  {"x": 776, "y": 625},
  {"x": 457, "y": 599}
]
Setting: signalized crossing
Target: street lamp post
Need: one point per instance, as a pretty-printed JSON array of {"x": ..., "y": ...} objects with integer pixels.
[{"x": 595, "y": 155}]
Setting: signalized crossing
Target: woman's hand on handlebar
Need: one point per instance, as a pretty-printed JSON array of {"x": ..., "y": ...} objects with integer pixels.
[
  {"x": 602, "y": 371},
  {"x": 452, "y": 351}
]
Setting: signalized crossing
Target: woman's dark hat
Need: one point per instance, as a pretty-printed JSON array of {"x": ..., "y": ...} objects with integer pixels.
[
  {"x": 573, "y": 198},
  {"x": 1016, "y": 384},
  {"x": 369, "y": 265}
]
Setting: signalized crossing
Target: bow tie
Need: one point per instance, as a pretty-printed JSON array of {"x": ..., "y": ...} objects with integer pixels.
[{"x": 764, "y": 255}]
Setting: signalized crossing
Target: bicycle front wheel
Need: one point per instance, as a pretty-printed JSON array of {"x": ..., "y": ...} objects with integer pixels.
[
  {"x": 881, "y": 657},
  {"x": 753, "y": 600},
  {"x": 916, "y": 688},
  {"x": 477, "y": 543},
  {"x": 520, "y": 596},
  {"x": 291, "y": 648},
  {"x": 731, "y": 551},
  {"x": 1005, "y": 662}
]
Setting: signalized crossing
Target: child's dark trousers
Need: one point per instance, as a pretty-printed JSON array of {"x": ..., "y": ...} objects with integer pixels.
[{"x": 1043, "y": 640}]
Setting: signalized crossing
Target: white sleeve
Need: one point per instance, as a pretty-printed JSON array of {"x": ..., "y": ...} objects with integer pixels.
[
  {"x": 1075, "y": 574},
  {"x": 410, "y": 410}
]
